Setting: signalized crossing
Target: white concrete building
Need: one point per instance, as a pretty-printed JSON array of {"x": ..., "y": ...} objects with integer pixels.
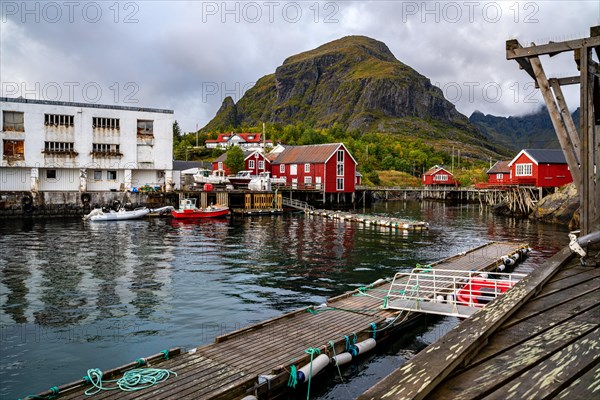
[{"x": 62, "y": 146}]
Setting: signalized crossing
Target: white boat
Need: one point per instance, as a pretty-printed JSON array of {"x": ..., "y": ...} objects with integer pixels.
[
  {"x": 206, "y": 176},
  {"x": 98, "y": 215},
  {"x": 264, "y": 181}
]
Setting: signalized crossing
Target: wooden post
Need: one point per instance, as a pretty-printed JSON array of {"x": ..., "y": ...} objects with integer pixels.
[{"x": 559, "y": 127}]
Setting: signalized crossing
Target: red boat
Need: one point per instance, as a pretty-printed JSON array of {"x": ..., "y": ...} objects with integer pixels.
[
  {"x": 187, "y": 209},
  {"x": 480, "y": 291}
]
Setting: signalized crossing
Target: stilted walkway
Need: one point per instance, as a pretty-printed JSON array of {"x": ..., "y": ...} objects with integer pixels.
[
  {"x": 539, "y": 341},
  {"x": 230, "y": 368},
  {"x": 371, "y": 219}
]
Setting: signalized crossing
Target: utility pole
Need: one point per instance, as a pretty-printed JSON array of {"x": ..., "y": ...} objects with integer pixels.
[{"x": 452, "y": 169}]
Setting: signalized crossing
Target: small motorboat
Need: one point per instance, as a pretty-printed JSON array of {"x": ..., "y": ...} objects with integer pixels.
[
  {"x": 98, "y": 214},
  {"x": 187, "y": 209},
  {"x": 480, "y": 291}
]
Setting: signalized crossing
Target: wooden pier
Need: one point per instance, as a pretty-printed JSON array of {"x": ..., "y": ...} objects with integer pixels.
[
  {"x": 539, "y": 341},
  {"x": 257, "y": 360},
  {"x": 371, "y": 219}
]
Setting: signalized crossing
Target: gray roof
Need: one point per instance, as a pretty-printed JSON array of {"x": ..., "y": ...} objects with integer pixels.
[
  {"x": 546, "y": 156},
  {"x": 88, "y": 105},
  {"x": 179, "y": 165}
]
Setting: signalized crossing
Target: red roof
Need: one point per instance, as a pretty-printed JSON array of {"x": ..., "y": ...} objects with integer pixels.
[
  {"x": 247, "y": 137},
  {"x": 309, "y": 154},
  {"x": 501, "y": 167}
]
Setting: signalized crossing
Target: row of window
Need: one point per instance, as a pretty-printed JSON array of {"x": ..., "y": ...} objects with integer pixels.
[
  {"x": 16, "y": 148},
  {"x": 14, "y": 121},
  {"x": 441, "y": 178}
]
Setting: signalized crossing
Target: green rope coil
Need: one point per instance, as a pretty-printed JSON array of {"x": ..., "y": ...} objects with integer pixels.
[{"x": 131, "y": 381}]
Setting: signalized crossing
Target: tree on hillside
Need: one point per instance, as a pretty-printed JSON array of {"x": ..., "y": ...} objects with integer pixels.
[
  {"x": 176, "y": 132},
  {"x": 235, "y": 159}
]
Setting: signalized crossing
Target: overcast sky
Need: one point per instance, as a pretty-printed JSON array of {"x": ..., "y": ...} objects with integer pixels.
[{"x": 188, "y": 56}]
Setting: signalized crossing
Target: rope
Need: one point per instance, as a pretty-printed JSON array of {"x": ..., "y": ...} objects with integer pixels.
[
  {"x": 312, "y": 351},
  {"x": 374, "y": 329},
  {"x": 293, "y": 379},
  {"x": 335, "y": 355},
  {"x": 165, "y": 354},
  {"x": 131, "y": 381},
  {"x": 53, "y": 394}
]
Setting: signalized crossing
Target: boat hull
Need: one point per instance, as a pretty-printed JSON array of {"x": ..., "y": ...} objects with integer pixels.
[
  {"x": 197, "y": 213},
  {"x": 119, "y": 215}
]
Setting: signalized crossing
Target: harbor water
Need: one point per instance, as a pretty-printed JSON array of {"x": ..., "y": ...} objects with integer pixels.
[{"x": 76, "y": 295}]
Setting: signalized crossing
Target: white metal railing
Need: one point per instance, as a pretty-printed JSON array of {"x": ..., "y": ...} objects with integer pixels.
[
  {"x": 286, "y": 201},
  {"x": 446, "y": 292}
]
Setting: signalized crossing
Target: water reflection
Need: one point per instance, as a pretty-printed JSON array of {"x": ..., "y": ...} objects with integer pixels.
[{"x": 132, "y": 288}]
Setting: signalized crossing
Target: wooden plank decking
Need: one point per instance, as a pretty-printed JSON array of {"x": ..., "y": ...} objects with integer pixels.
[
  {"x": 230, "y": 367},
  {"x": 540, "y": 341}
]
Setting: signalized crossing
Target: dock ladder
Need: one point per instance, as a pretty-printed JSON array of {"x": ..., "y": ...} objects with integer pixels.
[{"x": 446, "y": 292}]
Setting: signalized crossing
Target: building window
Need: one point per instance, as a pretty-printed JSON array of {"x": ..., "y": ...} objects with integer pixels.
[
  {"x": 58, "y": 120},
  {"x": 97, "y": 175},
  {"x": 340, "y": 156},
  {"x": 339, "y": 183},
  {"x": 340, "y": 163},
  {"x": 145, "y": 127},
  {"x": 261, "y": 165},
  {"x": 293, "y": 169},
  {"x": 106, "y": 123},
  {"x": 282, "y": 169},
  {"x": 340, "y": 170},
  {"x": 220, "y": 165},
  {"x": 499, "y": 177},
  {"x": 308, "y": 181},
  {"x": 111, "y": 175},
  {"x": 440, "y": 178},
  {"x": 523, "y": 169},
  {"x": 14, "y": 149},
  {"x": 58, "y": 147},
  {"x": 13, "y": 121},
  {"x": 251, "y": 164},
  {"x": 50, "y": 174},
  {"x": 104, "y": 148},
  {"x": 307, "y": 168}
]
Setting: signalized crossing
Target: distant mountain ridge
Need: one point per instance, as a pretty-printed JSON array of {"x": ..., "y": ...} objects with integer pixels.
[{"x": 516, "y": 133}]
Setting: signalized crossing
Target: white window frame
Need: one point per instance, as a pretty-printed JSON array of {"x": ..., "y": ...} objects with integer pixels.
[
  {"x": 293, "y": 169},
  {"x": 441, "y": 178},
  {"x": 307, "y": 167},
  {"x": 97, "y": 175},
  {"x": 339, "y": 184},
  {"x": 109, "y": 173},
  {"x": 308, "y": 180},
  {"x": 282, "y": 169},
  {"x": 261, "y": 165},
  {"x": 499, "y": 177},
  {"x": 220, "y": 165},
  {"x": 339, "y": 171},
  {"x": 250, "y": 164},
  {"x": 524, "y": 169}
]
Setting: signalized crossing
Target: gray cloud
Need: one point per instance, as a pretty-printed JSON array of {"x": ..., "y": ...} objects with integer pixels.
[{"x": 189, "y": 55}]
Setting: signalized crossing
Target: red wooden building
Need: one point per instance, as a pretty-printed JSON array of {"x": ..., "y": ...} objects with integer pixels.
[
  {"x": 499, "y": 174},
  {"x": 326, "y": 167},
  {"x": 254, "y": 161},
  {"x": 540, "y": 167},
  {"x": 438, "y": 176}
]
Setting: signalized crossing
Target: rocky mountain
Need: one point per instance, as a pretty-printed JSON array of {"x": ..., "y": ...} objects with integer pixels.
[
  {"x": 354, "y": 82},
  {"x": 516, "y": 133}
]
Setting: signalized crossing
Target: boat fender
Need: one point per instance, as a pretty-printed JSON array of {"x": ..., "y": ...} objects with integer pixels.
[
  {"x": 86, "y": 198},
  {"x": 318, "y": 364},
  {"x": 363, "y": 347},
  {"x": 501, "y": 267},
  {"x": 341, "y": 359},
  {"x": 484, "y": 275},
  {"x": 507, "y": 261},
  {"x": 116, "y": 205},
  {"x": 450, "y": 299},
  {"x": 516, "y": 256},
  {"x": 250, "y": 397},
  {"x": 439, "y": 298},
  {"x": 378, "y": 282},
  {"x": 26, "y": 200}
]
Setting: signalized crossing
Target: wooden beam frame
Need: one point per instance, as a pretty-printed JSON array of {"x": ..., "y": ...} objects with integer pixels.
[{"x": 514, "y": 53}]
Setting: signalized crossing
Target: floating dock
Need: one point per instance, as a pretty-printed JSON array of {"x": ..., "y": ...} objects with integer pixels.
[
  {"x": 259, "y": 360},
  {"x": 539, "y": 341},
  {"x": 371, "y": 219}
]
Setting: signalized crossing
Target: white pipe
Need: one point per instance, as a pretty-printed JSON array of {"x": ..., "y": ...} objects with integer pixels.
[{"x": 318, "y": 364}]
